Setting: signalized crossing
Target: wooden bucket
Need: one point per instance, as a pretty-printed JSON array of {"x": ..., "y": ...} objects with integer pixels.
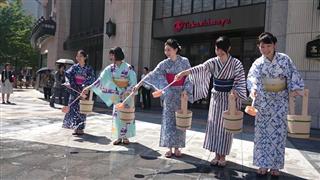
[
  {"x": 86, "y": 106},
  {"x": 299, "y": 125},
  {"x": 127, "y": 114},
  {"x": 184, "y": 116},
  {"x": 232, "y": 118}
]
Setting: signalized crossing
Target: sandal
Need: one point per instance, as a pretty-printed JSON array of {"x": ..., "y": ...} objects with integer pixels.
[
  {"x": 78, "y": 132},
  {"x": 262, "y": 172},
  {"x": 177, "y": 153},
  {"x": 117, "y": 142},
  {"x": 275, "y": 172},
  {"x": 168, "y": 154},
  {"x": 222, "y": 163},
  {"x": 214, "y": 162},
  {"x": 126, "y": 141}
]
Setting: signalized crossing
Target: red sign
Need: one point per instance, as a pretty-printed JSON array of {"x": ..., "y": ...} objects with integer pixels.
[{"x": 180, "y": 25}]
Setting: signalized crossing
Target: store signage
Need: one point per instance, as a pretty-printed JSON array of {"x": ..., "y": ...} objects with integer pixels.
[
  {"x": 181, "y": 25},
  {"x": 313, "y": 49}
]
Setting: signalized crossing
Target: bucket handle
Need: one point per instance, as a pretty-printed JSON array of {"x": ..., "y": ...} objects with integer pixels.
[
  {"x": 91, "y": 95},
  {"x": 184, "y": 102},
  {"x": 292, "y": 103},
  {"x": 232, "y": 103}
]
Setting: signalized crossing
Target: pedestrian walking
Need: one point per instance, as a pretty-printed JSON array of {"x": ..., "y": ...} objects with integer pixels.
[
  {"x": 7, "y": 79},
  {"x": 47, "y": 84},
  {"x": 58, "y": 89},
  {"x": 272, "y": 105},
  {"x": 228, "y": 75},
  {"x": 145, "y": 91},
  {"x": 79, "y": 76}
]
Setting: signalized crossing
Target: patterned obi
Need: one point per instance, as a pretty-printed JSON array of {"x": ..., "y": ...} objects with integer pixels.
[
  {"x": 79, "y": 79},
  {"x": 274, "y": 84},
  {"x": 121, "y": 82},
  {"x": 170, "y": 78},
  {"x": 223, "y": 85}
]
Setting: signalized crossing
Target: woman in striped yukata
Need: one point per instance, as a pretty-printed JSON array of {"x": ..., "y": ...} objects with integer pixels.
[{"x": 228, "y": 75}]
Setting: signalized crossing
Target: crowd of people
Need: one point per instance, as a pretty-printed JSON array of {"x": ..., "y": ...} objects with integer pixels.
[{"x": 228, "y": 76}]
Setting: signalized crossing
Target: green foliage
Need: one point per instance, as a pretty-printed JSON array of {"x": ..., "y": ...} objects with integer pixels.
[{"x": 15, "y": 32}]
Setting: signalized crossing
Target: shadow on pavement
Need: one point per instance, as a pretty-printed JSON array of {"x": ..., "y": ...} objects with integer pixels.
[
  {"x": 32, "y": 160},
  {"x": 231, "y": 171},
  {"x": 93, "y": 139}
]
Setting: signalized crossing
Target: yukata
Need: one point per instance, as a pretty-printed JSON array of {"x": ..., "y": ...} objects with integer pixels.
[
  {"x": 226, "y": 77},
  {"x": 111, "y": 94},
  {"x": 270, "y": 121},
  {"x": 160, "y": 77},
  {"x": 78, "y": 78}
]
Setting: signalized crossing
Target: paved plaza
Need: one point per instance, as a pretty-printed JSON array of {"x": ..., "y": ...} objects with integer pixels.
[{"x": 34, "y": 146}]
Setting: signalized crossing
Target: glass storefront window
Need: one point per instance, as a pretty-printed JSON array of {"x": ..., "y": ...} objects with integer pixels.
[
  {"x": 207, "y": 5},
  {"x": 186, "y": 6},
  {"x": 167, "y": 8},
  {"x": 197, "y": 6},
  {"x": 159, "y": 9},
  {"x": 177, "y": 7},
  {"x": 220, "y": 4},
  {"x": 232, "y": 3},
  {"x": 258, "y": 1},
  {"x": 245, "y": 2},
  {"x": 250, "y": 51}
]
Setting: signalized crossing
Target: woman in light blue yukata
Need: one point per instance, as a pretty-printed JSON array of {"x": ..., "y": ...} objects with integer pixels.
[
  {"x": 160, "y": 77},
  {"x": 107, "y": 88},
  {"x": 272, "y": 104}
]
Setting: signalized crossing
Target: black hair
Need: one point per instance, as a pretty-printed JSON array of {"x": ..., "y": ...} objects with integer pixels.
[
  {"x": 267, "y": 38},
  {"x": 6, "y": 65},
  {"x": 147, "y": 69},
  {"x": 61, "y": 65},
  {"x": 174, "y": 44},
  {"x": 84, "y": 54},
  {"x": 223, "y": 43},
  {"x": 118, "y": 53}
]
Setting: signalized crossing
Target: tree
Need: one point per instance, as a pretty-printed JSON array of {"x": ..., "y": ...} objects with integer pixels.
[
  {"x": 3, "y": 3},
  {"x": 15, "y": 32}
]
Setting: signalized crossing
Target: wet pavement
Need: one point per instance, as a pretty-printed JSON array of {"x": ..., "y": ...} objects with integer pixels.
[{"x": 34, "y": 146}]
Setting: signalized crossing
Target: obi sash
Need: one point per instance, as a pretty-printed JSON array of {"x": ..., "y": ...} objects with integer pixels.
[
  {"x": 79, "y": 79},
  {"x": 223, "y": 85},
  {"x": 170, "y": 78},
  {"x": 121, "y": 82},
  {"x": 274, "y": 84}
]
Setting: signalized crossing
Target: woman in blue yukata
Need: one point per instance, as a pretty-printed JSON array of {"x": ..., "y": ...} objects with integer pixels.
[
  {"x": 272, "y": 104},
  {"x": 109, "y": 88},
  {"x": 160, "y": 77},
  {"x": 79, "y": 76},
  {"x": 228, "y": 75}
]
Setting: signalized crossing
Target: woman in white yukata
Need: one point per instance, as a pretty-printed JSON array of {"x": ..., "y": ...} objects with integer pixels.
[
  {"x": 160, "y": 77},
  {"x": 228, "y": 75},
  {"x": 272, "y": 104}
]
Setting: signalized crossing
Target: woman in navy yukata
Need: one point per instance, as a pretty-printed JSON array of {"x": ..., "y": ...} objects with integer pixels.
[{"x": 79, "y": 76}]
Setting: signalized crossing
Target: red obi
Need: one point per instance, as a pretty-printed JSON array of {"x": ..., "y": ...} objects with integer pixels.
[
  {"x": 170, "y": 78},
  {"x": 79, "y": 79}
]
